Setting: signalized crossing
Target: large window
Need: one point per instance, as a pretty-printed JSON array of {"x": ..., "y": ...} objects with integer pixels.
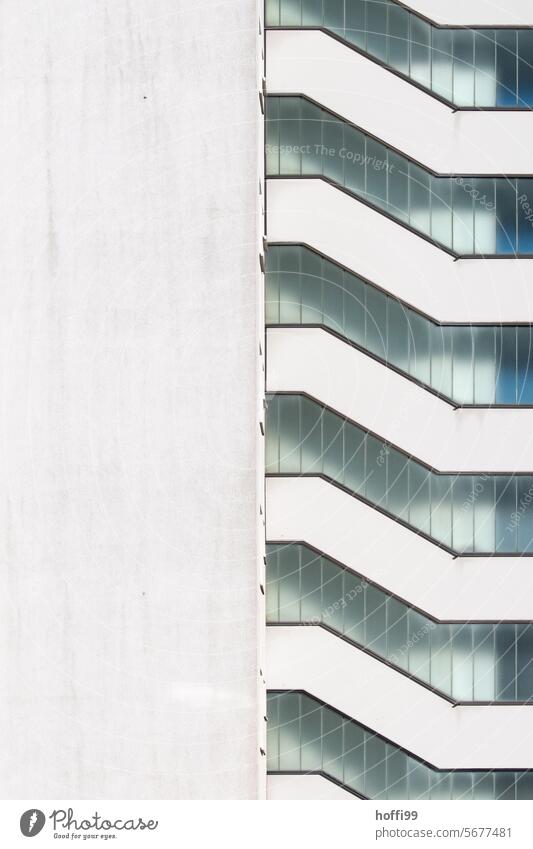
[
  {"x": 306, "y": 736},
  {"x": 468, "y": 365},
  {"x": 467, "y": 514},
  {"x": 467, "y": 662},
  {"x": 483, "y": 68},
  {"x": 474, "y": 216}
]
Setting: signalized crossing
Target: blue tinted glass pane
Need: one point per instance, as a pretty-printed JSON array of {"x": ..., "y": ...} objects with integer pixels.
[
  {"x": 506, "y": 524},
  {"x": 420, "y": 51},
  {"x": 399, "y": 39},
  {"x": 505, "y": 662},
  {"x": 524, "y": 213},
  {"x": 312, "y": 13},
  {"x": 506, "y": 216},
  {"x": 311, "y": 735},
  {"x": 310, "y": 583},
  {"x": 442, "y": 65},
  {"x": 506, "y": 366},
  {"x": 485, "y": 74},
  {"x": 463, "y": 69},
  {"x": 334, "y": 15},
  {"x": 524, "y": 350},
  {"x": 376, "y": 17},
  {"x": 291, "y": 13},
  {"x": 525, "y": 67},
  {"x": 311, "y": 138},
  {"x": 506, "y": 67},
  {"x": 311, "y": 287},
  {"x": 524, "y": 509},
  {"x": 355, "y": 23},
  {"x": 524, "y": 664}
]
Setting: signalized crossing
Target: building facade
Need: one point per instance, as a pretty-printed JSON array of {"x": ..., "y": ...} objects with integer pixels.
[{"x": 399, "y": 396}]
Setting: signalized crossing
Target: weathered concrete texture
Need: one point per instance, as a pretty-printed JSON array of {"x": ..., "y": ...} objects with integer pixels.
[{"x": 128, "y": 383}]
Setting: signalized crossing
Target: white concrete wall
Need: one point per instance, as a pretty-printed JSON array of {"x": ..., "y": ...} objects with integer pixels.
[
  {"x": 128, "y": 328},
  {"x": 475, "y": 12},
  {"x": 401, "y": 262},
  {"x": 314, "y": 511},
  {"x": 462, "y": 737},
  {"x": 314, "y": 361},
  {"x": 399, "y": 114}
]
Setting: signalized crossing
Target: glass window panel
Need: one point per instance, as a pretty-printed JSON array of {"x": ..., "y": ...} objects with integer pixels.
[
  {"x": 398, "y": 186},
  {"x": 484, "y": 364},
  {"x": 291, "y": 13},
  {"x": 289, "y": 585},
  {"x": 311, "y": 437},
  {"x": 484, "y": 216},
  {"x": 311, "y": 138},
  {"x": 441, "y": 659},
  {"x": 441, "y": 509},
  {"x": 441, "y": 785},
  {"x": 524, "y": 358},
  {"x": 524, "y": 662},
  {"x": 332, "y": 427},
  {"x": 419, "y": 199},
  {"x": 376, "y": 774},
  {"x": 398, "y": 485},
  {"x": 483, "y": 786},
  {"x": 311, "y": 739},
  {"x": 354, "y": 308},
  {"x": 461, "y": 785},
  {"x": 418, "y": 780},
  {"x": 272, "y": 435},
  {"x": 332, "y": 741},
  {"x": 463, "y": 216},
  {"x": 376, "y": 620},
  {"x": 442, "y": 63},
  {"x": 311, "y": 287},
  {"x": 354, "y": 160},
  {"x": 505, "y": 514},
  {"x": 272, "y": 13},
  {"x": 376, "y": 23},
  {"x": 333, "y": 299},
  {"x": 506, "y": 67},
  {"x": 463, "y": 70},
  {"x": 289, "y": 432},
  {"x": 441, "y": 360},
  {"x": 419, "y": 497},
  {"x": 355, "y": 23},
  {"x": 420, "y": 53},
  {"x": 419, "y": 350},
  {"x": 524, "y": 212},
  {"x": 354, "y": 612},
  {"x": 483, "y": 637},
  {"x": 289, "y": 122},
  {"x": 463, "y": 365},
  {"x": 398, "y": 26},
  {"x": 506, "y": 385},
  {"x": 272, "y": 136},
  {"x": 334, "y": 15},
  {"x": 462, "y": 663},
  {"x": 419, "y": 642},
  {"x": 311, "y": 585},
  {"x": 398, "y": 318},
  {"x": 354, "y": 460},
  {"x": 463, "y": 513},
  {"x": 505, "y": 785},
  {"x": 485, "y": 72},
  {"x": 272, "y": 585},
  {"x": 376, "y": 471},
  {"x": 506, "y": 216},
  {"x": 441, "y": 210},
  {"x": 289, "y": 285},
  {"x": 376, "y": 173},
  {"x": 312, "y": 13},
  {"x": 484, "y": 514},
  {"x": 376, "y": 322},
  {"x": 272, "y": 286},
  {"x": 524, "y": 786},
  {"x": 397, "y": 633},
  {"x": 332, "y": 595},
  {"x": 505, "y": 639},
  {"x": 524, "y": 510},
  {"x": 525, "y": 67},
  {"x": 333, "y": 144},
  {"x": 397, "y": 768},
  {"x": 354, "y": 757},
  {"x": 289, "y": 732}
]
